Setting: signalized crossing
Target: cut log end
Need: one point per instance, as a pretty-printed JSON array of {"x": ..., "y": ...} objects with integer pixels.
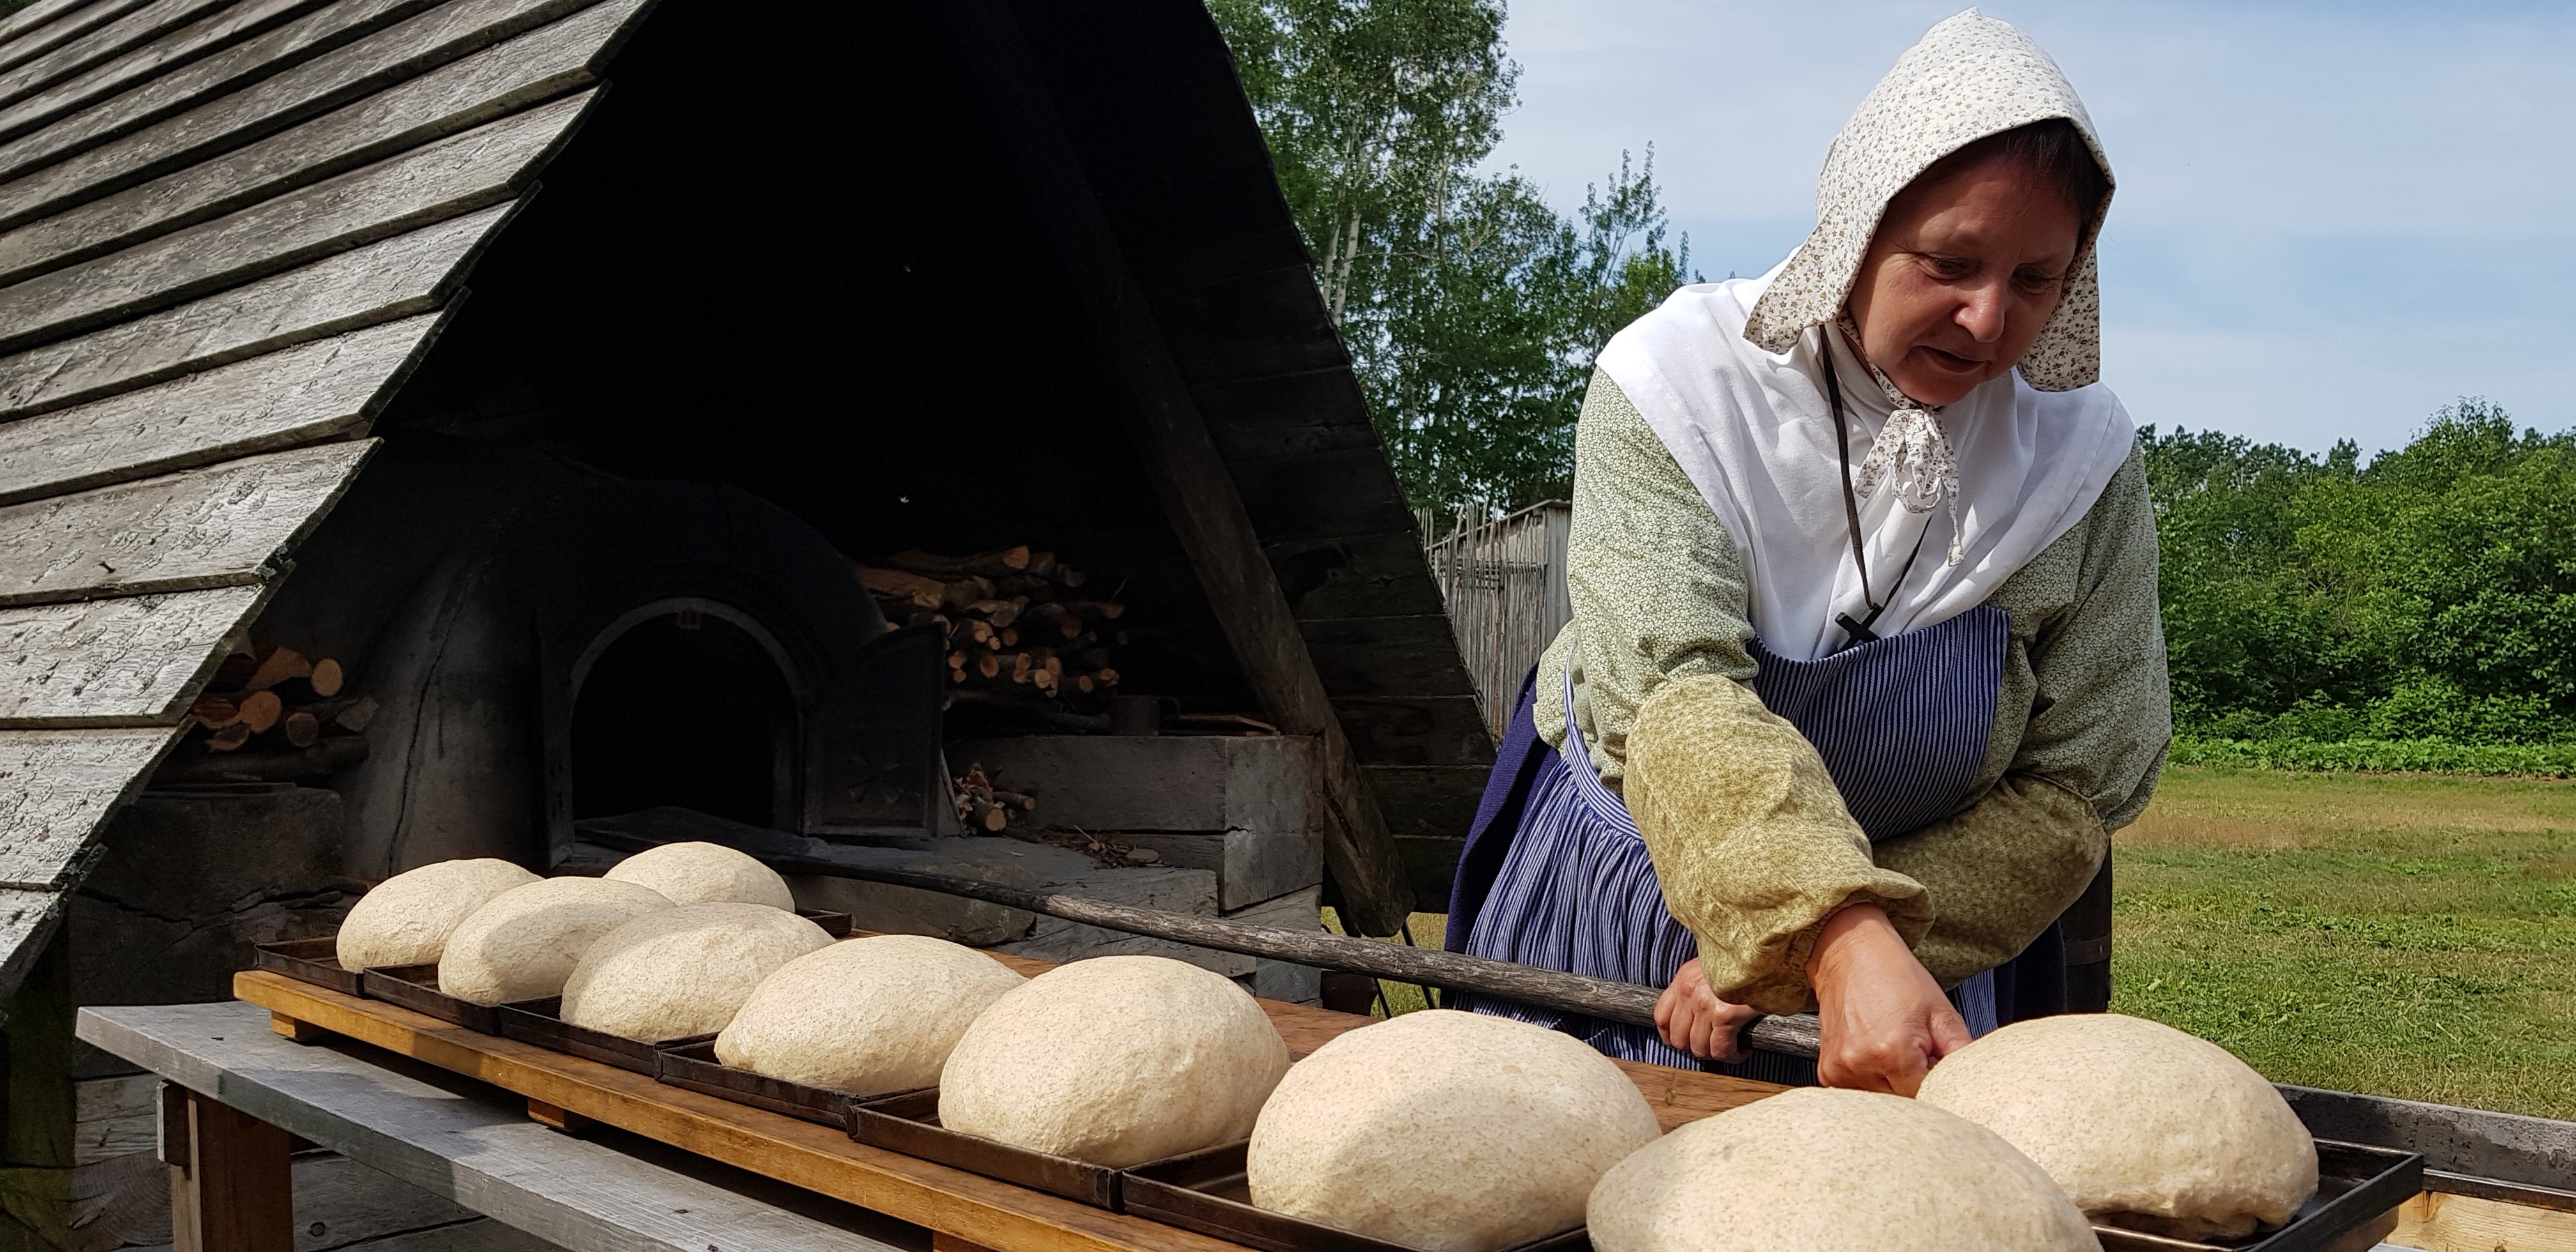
[{"x": 260, "y": 710}]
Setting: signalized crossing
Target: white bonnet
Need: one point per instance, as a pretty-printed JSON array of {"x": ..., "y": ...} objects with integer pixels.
[{"x": 1969, "y": 77}]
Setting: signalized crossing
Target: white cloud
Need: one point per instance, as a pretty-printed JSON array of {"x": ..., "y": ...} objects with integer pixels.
[{"x": 2331, "y": 219}]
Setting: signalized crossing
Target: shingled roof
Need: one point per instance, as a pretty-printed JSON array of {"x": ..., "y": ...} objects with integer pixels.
[{"x": 229, "y": 229}]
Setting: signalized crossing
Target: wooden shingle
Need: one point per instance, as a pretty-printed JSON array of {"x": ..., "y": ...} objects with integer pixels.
[{"x": 228, "y": 231}]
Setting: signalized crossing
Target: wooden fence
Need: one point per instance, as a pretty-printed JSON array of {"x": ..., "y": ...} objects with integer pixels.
[{"x": 1504, "y": 579}]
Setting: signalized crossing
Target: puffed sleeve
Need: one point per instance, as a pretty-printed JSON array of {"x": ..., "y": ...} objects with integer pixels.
[
  {"x": 1657, "y": 589},
  {"x": 2101, "y": 720},
  {"x": 1751, "y": 841}
]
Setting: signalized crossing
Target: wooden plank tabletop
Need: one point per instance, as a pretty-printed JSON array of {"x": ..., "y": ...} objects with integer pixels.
[
  {"x": 951, "y": 1202},
  {"x": 459, "y": 1141}
]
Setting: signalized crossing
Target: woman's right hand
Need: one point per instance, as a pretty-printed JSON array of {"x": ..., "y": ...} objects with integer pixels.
[
  {"x": 1885, "y": 1021},
  {"x": 1690, "y": 1017}
]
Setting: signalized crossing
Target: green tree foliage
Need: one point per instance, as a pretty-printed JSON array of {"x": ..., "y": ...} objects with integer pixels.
[
  {"x": 2429, "y": 595},
  {"x": 1472, "y": 309}
]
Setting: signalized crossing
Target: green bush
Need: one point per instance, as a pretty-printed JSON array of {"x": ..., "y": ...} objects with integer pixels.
[{"x": 2419, "y": 755}]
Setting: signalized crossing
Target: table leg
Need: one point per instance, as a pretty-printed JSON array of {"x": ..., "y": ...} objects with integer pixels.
[
  {"x": 562, "y": 1119},
  {"x": 230, "y": 1186},
  {"x": 951, "y": 1243},
  {"x": 300, "y": 1032}
]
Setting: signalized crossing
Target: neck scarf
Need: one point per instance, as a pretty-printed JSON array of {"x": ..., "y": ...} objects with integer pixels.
[{"x": 1911, "y": 454}]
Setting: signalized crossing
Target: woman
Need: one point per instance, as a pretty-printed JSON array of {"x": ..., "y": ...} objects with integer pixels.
[{"x": 1865, "y": 663}]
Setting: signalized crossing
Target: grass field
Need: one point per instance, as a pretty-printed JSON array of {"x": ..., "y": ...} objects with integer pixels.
[
  {"x": 2405, "y": 935},
  {"x": 2401, "y": 934}
]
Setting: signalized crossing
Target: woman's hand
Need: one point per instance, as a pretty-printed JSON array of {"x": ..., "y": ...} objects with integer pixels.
[
  {"x": 1885, "y": 1019},
  {"x": 1693, "y": 1019}
]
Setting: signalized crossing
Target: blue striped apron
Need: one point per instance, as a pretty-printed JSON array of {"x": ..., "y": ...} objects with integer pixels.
[{"x": 1556, "y": 875}]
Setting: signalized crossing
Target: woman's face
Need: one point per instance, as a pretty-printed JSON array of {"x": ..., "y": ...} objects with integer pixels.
[{"x": 1961, "y": 276}]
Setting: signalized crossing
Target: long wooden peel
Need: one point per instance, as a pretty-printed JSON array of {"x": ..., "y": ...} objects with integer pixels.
[{"x": 1546, "y": 988}]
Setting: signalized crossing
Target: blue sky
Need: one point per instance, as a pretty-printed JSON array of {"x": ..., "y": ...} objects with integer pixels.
[{"x": 2332, "y": 218}]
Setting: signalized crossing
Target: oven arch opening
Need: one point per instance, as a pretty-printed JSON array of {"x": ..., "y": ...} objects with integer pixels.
[{"x": 691, "y": 703}]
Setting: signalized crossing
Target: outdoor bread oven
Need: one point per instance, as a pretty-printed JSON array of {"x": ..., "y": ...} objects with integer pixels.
[{"x": 569, "y": 485}]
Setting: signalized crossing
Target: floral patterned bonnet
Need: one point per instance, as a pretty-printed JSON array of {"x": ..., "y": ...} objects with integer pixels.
[{"x": 1970, "y": 77}]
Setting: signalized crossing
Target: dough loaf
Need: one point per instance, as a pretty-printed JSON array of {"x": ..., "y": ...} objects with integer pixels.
[
  {"x": 1815, "y": 1168},
  {"x": 2142, "y": 1124},
  {"x": 1446, "y": 1131},
  {"x": 865, "y": 1016},
  {"x": 1117, "y": 1060},
  {"x": 682, "y": 971},
  {"x": 523, "y": 943},
  {"x": 705, "y": 873},
  {"x": 407, "y": 918}
]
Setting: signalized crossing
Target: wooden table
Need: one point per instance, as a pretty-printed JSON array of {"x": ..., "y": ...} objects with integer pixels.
[
  {"x": 237, "y": 1092},
  {"x": 244, "y": 1086}
]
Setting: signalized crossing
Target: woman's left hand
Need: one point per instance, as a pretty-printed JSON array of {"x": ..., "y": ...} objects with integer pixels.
[{"x": 1693, "y": 1019}]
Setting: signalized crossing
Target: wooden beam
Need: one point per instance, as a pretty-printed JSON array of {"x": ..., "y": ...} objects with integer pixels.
[
  {"x": 128, "y": 662},
  {"x": 57, "y": 789},
  {"x": 231, "y": 1190},
  {"x": 398, "y": 278},
  {"x": 2459, "y": 1223},
  {"x": 449, "y": 178},
  {"x": 297, "y": 71},
  {"x": 225, "y": 525},
  {"x": 491, "y": 84},
  {"x": 1189, "y": 477},
  {"x": 317, "y": 391}
]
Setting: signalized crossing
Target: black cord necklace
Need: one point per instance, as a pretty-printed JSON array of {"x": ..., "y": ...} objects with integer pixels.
[{"x": 1856, "y": 632}]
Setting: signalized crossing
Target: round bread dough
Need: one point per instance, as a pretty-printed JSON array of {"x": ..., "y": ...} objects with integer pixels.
[
  {"x": 1446, "y": 1131},
  {"x": 682, "y": 971},
  {"x": 2170, "y": 1133},
  {"x": 704, "y": 873},
  {"x": 407, "y": 918},
  {"x": 1117, "y": 1060},
  {"x": 1817, "y": 1168},
  {"x": 523, "y": 943},
  {"x": 865, "y": 1016}
]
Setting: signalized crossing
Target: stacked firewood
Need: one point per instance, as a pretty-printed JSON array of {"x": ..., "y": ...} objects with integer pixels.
[
  {"x": 983, "y": 807},
  {"x": 280, "y": 699},
  {"x": 1017, "y": 622}
]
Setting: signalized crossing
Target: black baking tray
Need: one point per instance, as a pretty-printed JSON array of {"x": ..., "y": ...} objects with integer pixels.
[
  {"x": 908, "y": 1122},
  {"x": 693, "y": 1066},
  {"x": 1206, "y": 1192},
  {"x": 415, "y": 987},
  {"x": 536, "y": 1021},
  {"x": 2358, "y": 1190},
  {"x": 837, "y": 925},
  {"x": 316, "y": 961}
]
